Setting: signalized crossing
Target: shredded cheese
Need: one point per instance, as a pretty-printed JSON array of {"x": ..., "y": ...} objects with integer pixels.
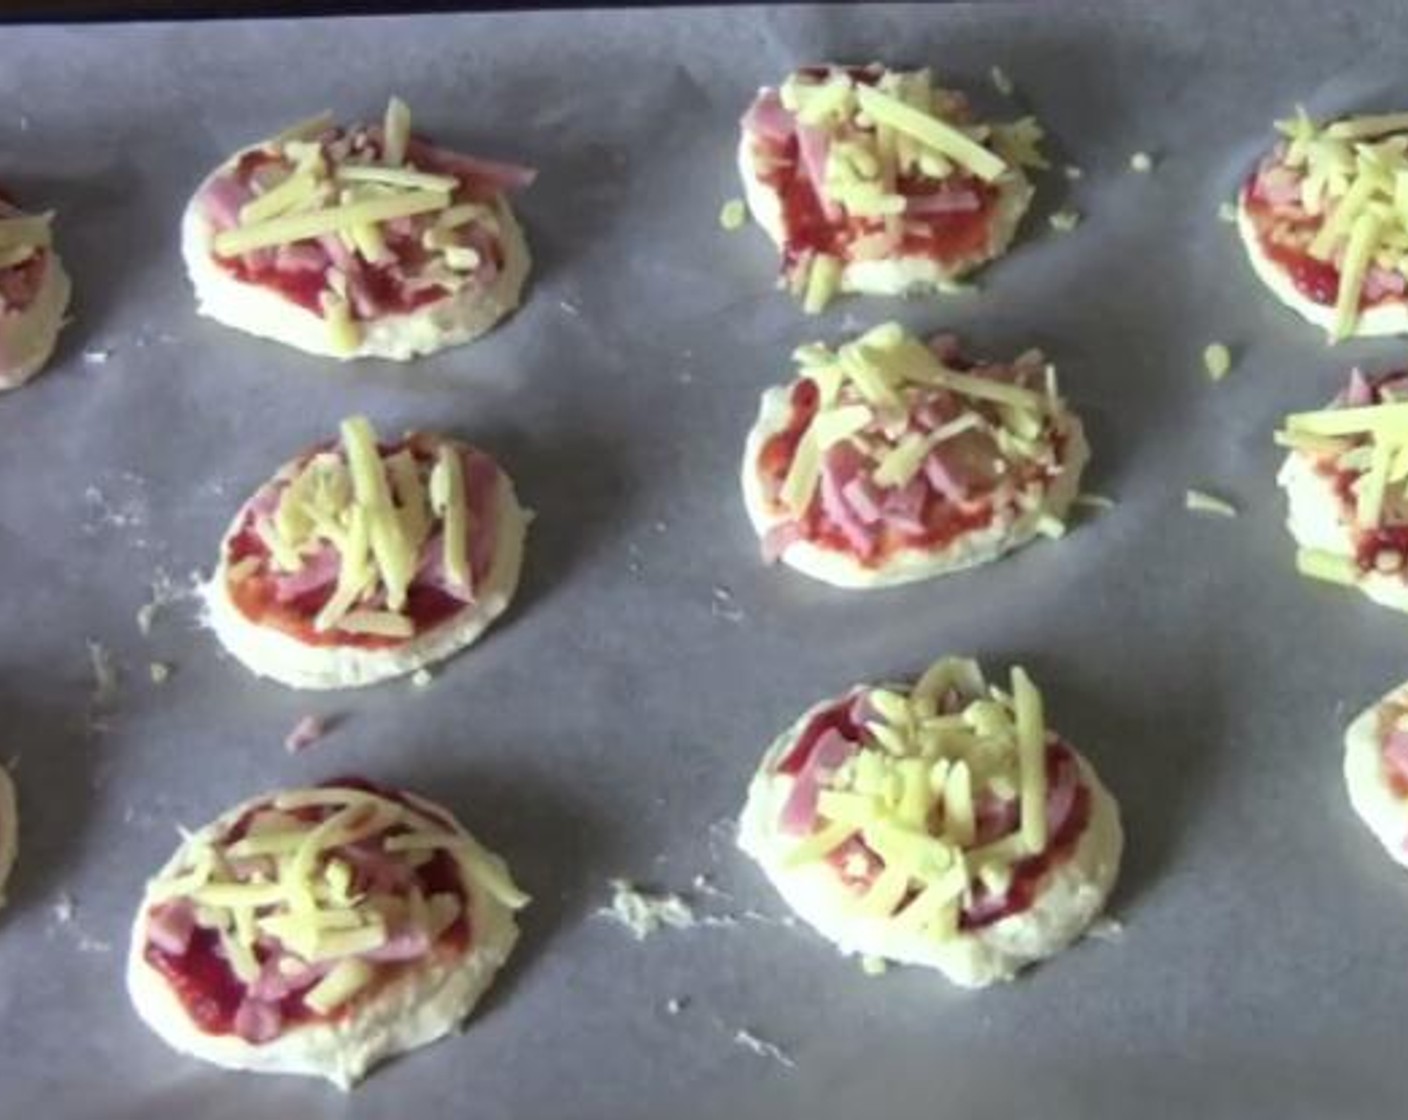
[{"x": 1199, "y": 501}]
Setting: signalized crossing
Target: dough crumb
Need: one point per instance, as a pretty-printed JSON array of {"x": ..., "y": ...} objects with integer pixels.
[
  {"x": 1072, "y": 172},
  {"x": 104, "y": 668},
  {"x": 763, "y": 1048},
  {"x": 1199, "y": 501},
  {"x": 1141, "y": 162},
  {"x": 96, "y": 357},
  {"x": 1106, "y": 929},
  {"x": 677, "y": 1004},
  {"x": 305, "y": 733},
  {"x": 1065, "y": 220},
  {"x": 1001, "y": 82},
  {"x": 874, "y": 966},
  {"x": 1094, "y": 501},
  {"x": 422, "y": 678},
  {"x": 159, "y": 671},
  {"x": 643, "y": 913},
  {"x": 1227, "y": 212}
]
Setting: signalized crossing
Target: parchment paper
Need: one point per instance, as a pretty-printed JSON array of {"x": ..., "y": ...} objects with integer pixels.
[{"x": 608, "y": 726}]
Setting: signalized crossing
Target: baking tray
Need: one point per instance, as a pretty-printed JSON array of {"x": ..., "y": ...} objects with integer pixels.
[{"x": 608, "y": 726}]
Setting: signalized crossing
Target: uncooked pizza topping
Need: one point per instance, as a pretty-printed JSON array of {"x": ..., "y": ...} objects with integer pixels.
[
  {"x": 872, "y": 164},
  {"x": 891, "y": 443},
  {"x": 311, "y": 901},
  {"x": 364, "y": 543},
  {"x": 1360, "y": 446},
  {"x": 1329, "y": 205},
  {"x": 357, "y": 223},
  {"x": 941, "y": 808},
  {"x": 25, "y": 241}
]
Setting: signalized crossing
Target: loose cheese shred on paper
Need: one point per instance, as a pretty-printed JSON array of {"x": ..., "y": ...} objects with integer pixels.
[
  {"x": 643, "y": 913},
  {"x": 1065, "y": 220},
  {"x": 1217, "y": 361},
  {"x": 733, "y": 215},
  {"x": 1199, "y": 501},
  {"x": 1001, "y": 82},
  {"x": 763, "y": 1048}
]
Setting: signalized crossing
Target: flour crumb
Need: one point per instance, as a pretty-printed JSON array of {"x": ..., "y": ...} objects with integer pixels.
[
  {"x": 643, "y": 913},
  {"x": 762, "y": 1047},
  {"x": 1106, "y": 929},
  {"x": 96, "y": 357}
]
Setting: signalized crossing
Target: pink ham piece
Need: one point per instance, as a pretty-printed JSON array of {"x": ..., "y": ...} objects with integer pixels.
[
  {"x": 478, "y": 238},
  {"x": 301, "y": 256},
  {"x": 903, "y": 509},
  {"x": 430, "y": 570},
  {"x": 403, "y": 945},
  {"x": 170, "y": 926},
  {"x": 222, "y": 201},
  {"x": 481, "y": 488},
  {"x": 945, "y": 476},
  {"x": 376, "y": 871},
  {"x": 305, "y": 733},
  {"x": 319, "y": 571},
  {"x": 1061, "y": 798},
  {"x": 767, "y": 119},
  {"x": 995, "y": 817},
  {"x": 1396, "y": 752},
  {"x": 258, "y": 1022},
  {"x": 474, "y": 173},
  {"x": 337, "y": 252},
  {"x": 266, "y": 500},
  {"x": 798, "y": 816},
  {"x": 948, "y": 200},
  {"x": 984, "y": 908},
  {"x": 1278, "y": 185},
  {"x": 779, "y": 539},
  {"x": 862, "y": 497},
  {"x": 945, "y": 347},
  {"x": 1359, "y": 392},
  {"x": 1382, "y": 282},
  {"x": 813, "y": 147},
  {"x": 841, "y": 467}
]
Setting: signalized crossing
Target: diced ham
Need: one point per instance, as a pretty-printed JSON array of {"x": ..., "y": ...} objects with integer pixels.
[
  {"x": 947, "y": 200},
  {"x": 403, "y": 945},
  {"x": 984, "y": 908},
  {"x": 1396, "y": 752},
  {"x": 813, "y": 147},
  {"x": 1061, "y": 797},
  {"x": 903, "y": 509},
  {"x": 478, "y": 238},
  {"x": 945, "y": 347},
  {"x": 945, "y": 475},
  {"x": 995, "y": 816},
  {"x": 1381, "y": 282},
  {"x": 301, "y": 256},
  {"x": 305, "y": 733},
  {"x": 481, "y": 175},
  {"x": 430, "y": 570},
  {"x": 319, "y": 571},
  {"x": 376, "y": 871},
  {"x": 337, "y": 252},
  {"x": 170, "y": 926},
  {"x": 798, "y": 815},
  {"x": 779, "y": 539},
  {"x": 766, "y": 118},
  {"x": 258, "y": 1022},
  {"x": 841, "y": 467},
  {"x": 274, "y": 984},
  {"x": 862, "y": 497},
  {"x": 1359, "y": 392},
  {"x": 481, "y": 488},
  {"x": 222, "y": 201},
  {"x": 1278, "y": 185}
]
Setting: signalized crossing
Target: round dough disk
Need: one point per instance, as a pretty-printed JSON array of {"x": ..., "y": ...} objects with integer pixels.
[
  {"x": 1070, "y": 895},
  {"x": 408, "y": 1011},
  {"x": 270, "y": 652},
  {"x": 1366, "y": 775},
  {"x": 457, "y": 318}
]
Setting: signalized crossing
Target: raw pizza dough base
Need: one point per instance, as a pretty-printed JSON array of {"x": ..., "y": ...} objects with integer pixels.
[
  {"x": 1071, "y": 896},
  {"x": 892, "y": 276},
  {"x": 1007, "y": 532},
  {"x": 28, "y": 337},
  {"x": 269, "y": 652},
  {"x": 1387, "y": 318},
  {"x": 417, "y": 1008},
  {"x": 458, "y": 318},
  {"x": 1379, "y": 807}
]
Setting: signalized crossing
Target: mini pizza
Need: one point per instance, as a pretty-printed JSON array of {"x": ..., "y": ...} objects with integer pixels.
[
  {"x": 361, "y": 561},
  {"x": 34, "y": 291},
  {"x": 942, "y": 825},
  {"x": 9, "y": 830},
  {"x": 320, "y": 931},
  {"x": 889, "y": 460},
  {"x": 872, "y": 180},
  {"x": 357, "y": 242},
  {"x": 1323, "y": 223},
  {"x": 1376, "y": 770},
  {"x": 1346, "y": 482}
]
